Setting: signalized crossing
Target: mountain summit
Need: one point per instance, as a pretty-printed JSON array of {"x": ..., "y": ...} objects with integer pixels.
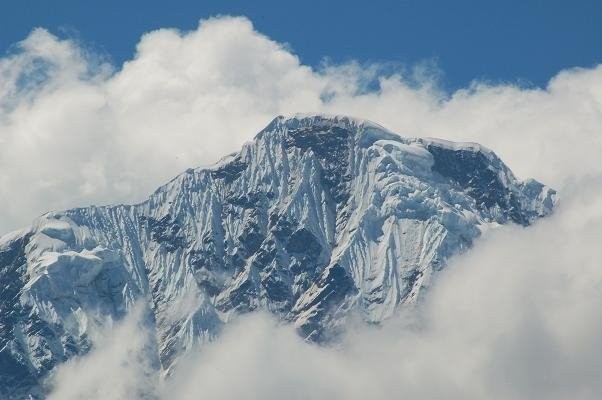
[{"x": 317, "y": 218}]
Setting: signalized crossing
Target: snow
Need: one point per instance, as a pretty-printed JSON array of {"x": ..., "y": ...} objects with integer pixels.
[
  {"x": 470, "y": 146},
  {"x": 7, "y": 239}
]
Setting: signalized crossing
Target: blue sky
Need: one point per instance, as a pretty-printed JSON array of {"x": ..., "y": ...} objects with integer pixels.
[{"x": 500, "y": 41}]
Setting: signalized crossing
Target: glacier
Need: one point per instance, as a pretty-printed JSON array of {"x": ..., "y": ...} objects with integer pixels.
[{"x": 317, "y": 219}]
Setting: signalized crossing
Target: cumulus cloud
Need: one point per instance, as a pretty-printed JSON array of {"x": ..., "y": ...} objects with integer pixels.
[
  {"x": 515, "y": 318},
  {"x": 75, "y": 130}
]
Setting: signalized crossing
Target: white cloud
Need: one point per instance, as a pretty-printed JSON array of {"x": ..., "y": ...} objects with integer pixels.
[
  {"x": 121, "y": 366},
  {"x": 516, "y": 318},
  {"x": 75, "y": 134},
  {"x": 75, "y": 131}
]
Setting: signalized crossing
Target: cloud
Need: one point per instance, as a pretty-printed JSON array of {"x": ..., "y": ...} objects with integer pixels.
[
  {"x": 121, "y": 366},
  {"x": 75, "y": 130},
  {"x": 517, "y": 317}
]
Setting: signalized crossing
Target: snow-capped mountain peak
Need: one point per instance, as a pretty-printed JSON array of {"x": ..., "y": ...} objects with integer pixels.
[{"x": 316, "y": 218}]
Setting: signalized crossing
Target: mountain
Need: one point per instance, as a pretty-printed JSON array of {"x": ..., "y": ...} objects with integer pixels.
[{"x": 316, "y": 219}]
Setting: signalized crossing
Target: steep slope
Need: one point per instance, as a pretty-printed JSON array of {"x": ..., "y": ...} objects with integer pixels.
[{"x": 317, "y": 218}]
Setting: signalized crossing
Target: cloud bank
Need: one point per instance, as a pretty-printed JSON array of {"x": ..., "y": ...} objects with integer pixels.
[
  {"x": 75, "y": 130},
  {"x": 517, "y": 317}
]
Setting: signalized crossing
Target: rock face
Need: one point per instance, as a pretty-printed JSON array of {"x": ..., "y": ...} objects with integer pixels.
[{"x": 317, "y": 218}]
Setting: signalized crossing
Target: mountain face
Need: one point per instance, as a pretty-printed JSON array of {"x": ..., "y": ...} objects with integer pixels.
[{"x": 316, "y": 219}]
